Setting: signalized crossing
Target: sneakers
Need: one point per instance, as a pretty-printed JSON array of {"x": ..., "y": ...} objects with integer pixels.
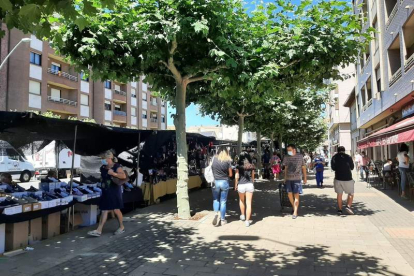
[
  {"x": 349, "y": 211},
  {"x": 248, "y": 223},
  {"x": 242, "y": 218},
  {"x": 216, "y": 220},
  {"x": 119, "y": 231},
  {"x": 223, "y": 222},
  {"x": 339, "y": 212}
]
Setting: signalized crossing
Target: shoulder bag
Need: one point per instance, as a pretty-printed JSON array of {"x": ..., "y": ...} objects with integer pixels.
[
  {"x": 208, "y": 172},
  {"x": 119, "y": 181}
]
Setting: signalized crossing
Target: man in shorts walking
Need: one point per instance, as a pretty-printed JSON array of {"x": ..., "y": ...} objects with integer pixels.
[
  {"x": 342, "y": 164},
  {"x": 295, "y": 168}
]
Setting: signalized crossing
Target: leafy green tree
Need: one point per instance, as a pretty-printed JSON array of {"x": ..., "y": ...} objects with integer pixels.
[
  {"x": 178, "y": 45},
  {"x": 38, "y": 16},
  {"x": 182, "y": 46}
]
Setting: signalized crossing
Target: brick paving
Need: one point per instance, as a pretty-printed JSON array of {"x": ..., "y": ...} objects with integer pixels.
[{"x": 378, "y": 240}]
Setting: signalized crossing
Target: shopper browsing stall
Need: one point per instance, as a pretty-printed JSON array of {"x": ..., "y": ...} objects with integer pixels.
[{"x": 113, "y": 176}]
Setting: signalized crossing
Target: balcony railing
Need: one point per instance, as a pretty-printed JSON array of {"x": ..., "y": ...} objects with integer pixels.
[
  {"x": 392, "y": 15},
  {"x": 397, "y": 75},
  {"x": 62, "y": 74},
  {"x": 409, "y": 63},
  {"x": 366, "y": 63},
  {"x": 120, "y": 92},
  {"x": 364, "y": 108},
  {"x": 120, "y": 113},
  {"x": 61, "y": 101},
  {"x": 154, "y": 120}
]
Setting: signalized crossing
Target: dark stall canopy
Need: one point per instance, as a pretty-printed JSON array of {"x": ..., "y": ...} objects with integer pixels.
[{"x": 23, "y": 128}]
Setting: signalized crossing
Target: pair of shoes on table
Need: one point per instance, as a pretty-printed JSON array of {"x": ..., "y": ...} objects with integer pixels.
[{"x": 32, "y": 189}]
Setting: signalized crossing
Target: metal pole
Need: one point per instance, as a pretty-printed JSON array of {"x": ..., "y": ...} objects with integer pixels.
[
  {"x": 139, "y": 143},
  {"x": 11, "y": 52},
  {"x": 73, "y": 158},
  {"x": 71, "y": 178}
]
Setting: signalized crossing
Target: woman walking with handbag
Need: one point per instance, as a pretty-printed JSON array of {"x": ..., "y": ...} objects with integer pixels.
[
  {"x": 222, "y": 171},
  {"x": 113, "y": 176}
]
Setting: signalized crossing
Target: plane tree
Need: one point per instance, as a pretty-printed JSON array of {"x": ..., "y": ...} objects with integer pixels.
[{"x": 188, "y": 49}]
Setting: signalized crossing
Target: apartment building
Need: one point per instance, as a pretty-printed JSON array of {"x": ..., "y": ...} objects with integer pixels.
[
  {"x": 223, "y": 132},
  {"x": 338, "y": 116},
  {"x": 36, "y": 78},
  {"x": 384, "y": 90}
]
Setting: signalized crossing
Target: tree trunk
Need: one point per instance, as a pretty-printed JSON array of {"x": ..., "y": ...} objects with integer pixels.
[
  {"x": 259, "y": 153},
  {"x": 240, "y": 136},
  {"x": 280, "y": 145},
  {"x": 272, "y": 143},
  {"x": 183, "y": 202}
]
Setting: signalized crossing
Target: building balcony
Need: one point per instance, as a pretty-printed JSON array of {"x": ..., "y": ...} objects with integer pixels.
[
  {"x": 153, "y": 108},
  {"x": 409, "y": 63},
  {"x": 392, "y": 15},
  {"x": 120, "y": 113},
  {"x": 120, "y": 117},
  {"x": 62, "y": 74},
  {"x": 120, "y": 96},
  {"x": 153, "y": 123},
  {"x": 62, "y": 101},
  {"x": 395, "y": 77},
  {"x": 63, "y": 106},
  {"x": 120, "y": 92}
]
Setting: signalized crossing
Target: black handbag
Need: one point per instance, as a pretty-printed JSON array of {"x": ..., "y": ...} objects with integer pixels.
[{"x": 119, "y": 181}]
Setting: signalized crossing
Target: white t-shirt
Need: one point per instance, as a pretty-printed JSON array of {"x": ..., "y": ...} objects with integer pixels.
[{"x": 401, "y": 160}]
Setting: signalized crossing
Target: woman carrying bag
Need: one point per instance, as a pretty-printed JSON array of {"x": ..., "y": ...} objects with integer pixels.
[{"x": 113, "y": 176}]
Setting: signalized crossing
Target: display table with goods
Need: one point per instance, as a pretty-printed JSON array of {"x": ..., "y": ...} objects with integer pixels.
[{"x": 167, "y": 187}]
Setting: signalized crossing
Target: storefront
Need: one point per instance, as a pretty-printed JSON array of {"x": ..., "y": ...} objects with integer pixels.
[{"x": 384, "y": 143}]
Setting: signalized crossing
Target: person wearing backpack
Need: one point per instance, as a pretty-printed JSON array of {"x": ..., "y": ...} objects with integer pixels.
[
  {"x": 319, "y": 168},
  {"x": 222, "y": 171}
]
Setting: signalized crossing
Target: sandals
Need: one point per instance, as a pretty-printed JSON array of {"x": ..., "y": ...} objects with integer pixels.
[
  {"x": 94, "y": 233},
  {"x": 119, "y": 231}
]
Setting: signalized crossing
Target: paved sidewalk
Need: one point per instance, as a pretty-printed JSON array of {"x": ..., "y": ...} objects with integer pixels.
[{"x": 378, "y": 240}]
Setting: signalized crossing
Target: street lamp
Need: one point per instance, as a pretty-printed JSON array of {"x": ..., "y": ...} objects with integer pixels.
[{"x": 24, "y": 40}]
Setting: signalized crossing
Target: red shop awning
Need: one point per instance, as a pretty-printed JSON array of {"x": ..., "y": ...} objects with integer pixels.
[{"x": 397, "y": 133}]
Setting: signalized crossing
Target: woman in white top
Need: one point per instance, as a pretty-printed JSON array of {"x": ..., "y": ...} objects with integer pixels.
[{"x": 403, "y": 166}]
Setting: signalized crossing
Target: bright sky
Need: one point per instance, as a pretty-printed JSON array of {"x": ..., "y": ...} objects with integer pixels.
[{"x": 192, "y": 116}]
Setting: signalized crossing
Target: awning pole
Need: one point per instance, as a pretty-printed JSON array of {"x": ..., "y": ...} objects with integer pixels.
[
  {"x": 139, "y": 143},
  {"x": 73, "y": 159},
  {"x": 71, "y": 178}
]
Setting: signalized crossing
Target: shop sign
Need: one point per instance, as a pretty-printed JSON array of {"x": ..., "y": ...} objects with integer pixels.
[
  {"x": 408, "y": 110},
  {"x": 389, "y": 140}
]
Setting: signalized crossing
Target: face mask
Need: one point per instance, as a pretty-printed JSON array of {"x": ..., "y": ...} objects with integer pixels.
[
  {"x": 104, "y": 162},
  {"x": 290, "y": 153}
]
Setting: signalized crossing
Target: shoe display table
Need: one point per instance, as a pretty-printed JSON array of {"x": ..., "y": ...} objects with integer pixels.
[{"x": 33, "y": 214}]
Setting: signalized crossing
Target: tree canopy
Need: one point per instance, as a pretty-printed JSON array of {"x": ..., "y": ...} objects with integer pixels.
[{"x": 192, "y": 50}]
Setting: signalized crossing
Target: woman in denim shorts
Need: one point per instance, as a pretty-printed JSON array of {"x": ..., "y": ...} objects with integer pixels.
[{"x": 244, "y": 185}]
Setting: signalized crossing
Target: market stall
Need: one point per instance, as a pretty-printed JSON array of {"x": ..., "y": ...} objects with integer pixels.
[{"x": 57, "y": 207}]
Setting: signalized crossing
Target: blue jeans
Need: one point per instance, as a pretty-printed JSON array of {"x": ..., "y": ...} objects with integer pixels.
[
  {"x": 319, "y": 178},
  {"x": 403, "y": 173},
  {"x": 220, "y": 192},
  {"x": 363, "y": 169}
]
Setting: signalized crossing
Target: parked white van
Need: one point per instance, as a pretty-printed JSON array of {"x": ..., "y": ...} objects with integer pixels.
[{"x": 13, "y": 163}]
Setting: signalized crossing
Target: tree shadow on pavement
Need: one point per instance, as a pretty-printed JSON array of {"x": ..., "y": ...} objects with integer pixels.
[{"x": 169, "y": 248}]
